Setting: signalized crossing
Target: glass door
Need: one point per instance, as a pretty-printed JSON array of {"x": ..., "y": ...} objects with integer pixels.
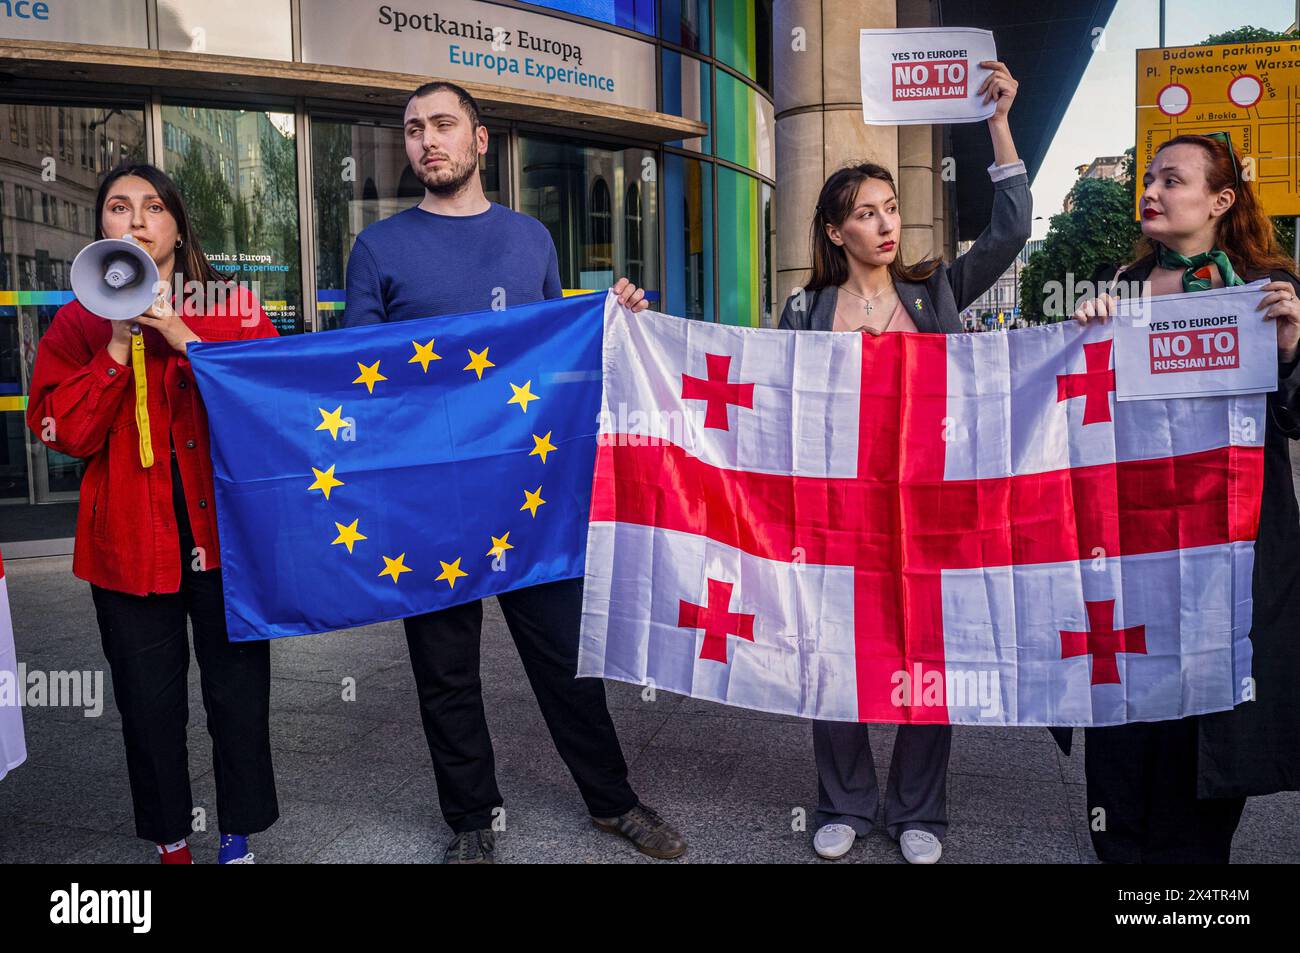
[
  {"x": 237, "y": 170},
  {"x": 601, "y": 207}
]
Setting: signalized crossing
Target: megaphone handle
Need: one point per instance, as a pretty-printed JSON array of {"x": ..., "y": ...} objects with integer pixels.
[{"x": 141, "y": 397}]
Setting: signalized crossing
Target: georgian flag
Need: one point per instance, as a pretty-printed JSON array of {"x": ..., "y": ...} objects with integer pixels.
[
  {"x": 916, "y": 528},
  {"x": 13, "y": 749}
]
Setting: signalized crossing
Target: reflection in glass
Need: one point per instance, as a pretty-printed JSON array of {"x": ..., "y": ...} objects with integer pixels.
[
  {"x": 633, "y": 223},
  {"x": 686, "y": 23},
  {"x": 766, "y": 255},
  {"x": 636, "y": 15},
  {"x": 739, "y": 223},
  {"x": 360, "y": 175},
  {"x": 45, "y": 220},
  {"x": 743, "y": 37},
  {"x": 686, "y": 92},
  {"x": 600, "y": 240},
  {"x": 688, "y": 237},
  {"x": 237, "y": 171},
  {"x": 581, "y": 193},
  {"x": 745, "y": 126}
]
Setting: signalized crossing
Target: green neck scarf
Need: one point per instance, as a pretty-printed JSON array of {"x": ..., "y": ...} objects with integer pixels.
[{"x": 1196, "y": 270}]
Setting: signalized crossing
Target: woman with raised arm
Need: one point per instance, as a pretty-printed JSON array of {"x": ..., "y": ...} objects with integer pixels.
[{"x": 859, "y": 284}]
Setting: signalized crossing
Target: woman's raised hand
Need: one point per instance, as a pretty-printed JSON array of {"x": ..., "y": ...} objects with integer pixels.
[{"x": 998, "y": 86}]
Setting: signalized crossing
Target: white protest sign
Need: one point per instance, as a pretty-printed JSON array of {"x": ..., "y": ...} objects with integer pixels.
[
  {"x": 911, "y": 77},
  {"x": 1195, "y": 344}
]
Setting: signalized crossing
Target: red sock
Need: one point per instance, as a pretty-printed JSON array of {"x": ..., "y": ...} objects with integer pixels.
[{"x": 177, "y": 853}]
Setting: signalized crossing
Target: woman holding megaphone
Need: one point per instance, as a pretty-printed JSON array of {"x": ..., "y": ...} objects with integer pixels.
[{"x": 121, "y": 395}]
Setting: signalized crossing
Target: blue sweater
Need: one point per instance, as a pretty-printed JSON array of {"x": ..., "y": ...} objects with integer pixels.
[{"x": 416, "y": 264}]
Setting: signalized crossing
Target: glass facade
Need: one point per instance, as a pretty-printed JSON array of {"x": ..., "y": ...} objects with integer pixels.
[
  {"x": 51, "y": 160},
  {"x": 743, "y": 38},
  {"x": 688, "y": 91},
  {"x": 638, "y": 15},
  {"x": 746, "y": 121},
  {"x": 717, "y": 207},
  {"x": 688, "y": 220},
  {"x": 688, "y": 238},
  {"x": 686, "y": 23}
]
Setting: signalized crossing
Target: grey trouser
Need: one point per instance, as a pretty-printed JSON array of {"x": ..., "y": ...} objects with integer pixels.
[{"x": 848, "y": 793}]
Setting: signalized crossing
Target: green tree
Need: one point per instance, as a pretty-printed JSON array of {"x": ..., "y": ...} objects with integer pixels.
[
  {"x": 1099, "y": 230},
  {"x": 1245, "y": 34},
  {"x": 331, "y": 147},
  {"x": 207, "y": 198}
]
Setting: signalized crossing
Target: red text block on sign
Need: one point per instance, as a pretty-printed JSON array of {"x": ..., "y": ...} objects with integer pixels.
[
  {"x": 1178, "y": 351},
  {"x": 930, "y": 79}
]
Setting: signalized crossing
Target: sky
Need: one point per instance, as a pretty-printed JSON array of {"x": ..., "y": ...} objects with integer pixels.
[{"x": 1100, "y": 118}]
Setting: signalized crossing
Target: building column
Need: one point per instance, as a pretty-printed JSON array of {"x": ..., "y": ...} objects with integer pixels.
[
  {"x": 915, "y": 179},
  {"x": 819, "y": 128},
  {"x": 819, "y": 125}
]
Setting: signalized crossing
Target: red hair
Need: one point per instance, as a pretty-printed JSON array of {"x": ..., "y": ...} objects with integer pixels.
[{"x": 1244, "y": 232}]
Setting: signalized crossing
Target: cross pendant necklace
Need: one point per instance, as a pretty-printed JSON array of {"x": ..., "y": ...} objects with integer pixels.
[
  {"x": 866, "y": 302},
  {"x": 869, "y": 307}
]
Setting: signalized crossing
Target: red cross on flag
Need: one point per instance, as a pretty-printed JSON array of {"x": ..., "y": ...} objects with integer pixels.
[{"x": 916, "y": 528}]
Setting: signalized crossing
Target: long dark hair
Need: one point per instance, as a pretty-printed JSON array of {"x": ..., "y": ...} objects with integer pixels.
[
  {"x": 830, "y": 263},
  {"x": 191, "y": 263},
  {"x": 1244, "y": 232}
]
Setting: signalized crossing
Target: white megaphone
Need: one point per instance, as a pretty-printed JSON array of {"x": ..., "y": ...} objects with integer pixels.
[{"x": 115, "y": 278}]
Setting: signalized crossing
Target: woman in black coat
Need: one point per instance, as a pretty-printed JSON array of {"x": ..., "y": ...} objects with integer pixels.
[{"x": 1174, "y": 791}]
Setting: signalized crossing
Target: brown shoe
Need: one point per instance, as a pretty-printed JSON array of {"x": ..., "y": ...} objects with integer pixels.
[{"x": 651, "y": 834}]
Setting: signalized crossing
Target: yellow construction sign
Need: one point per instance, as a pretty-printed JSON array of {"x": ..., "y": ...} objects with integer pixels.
[{"x": 1249, "y": 90}]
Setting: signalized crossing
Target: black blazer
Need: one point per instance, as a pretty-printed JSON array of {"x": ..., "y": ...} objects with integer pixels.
[{"x": 935, "y": 305}]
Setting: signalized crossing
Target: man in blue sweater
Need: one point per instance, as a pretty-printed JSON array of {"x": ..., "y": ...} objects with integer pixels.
[{"x": 456, "y": 252}]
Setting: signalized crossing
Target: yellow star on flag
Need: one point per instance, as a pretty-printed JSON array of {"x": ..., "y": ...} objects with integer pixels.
[
  {"x": 395, "y": 567},
  {"x": 522, "y": 396},
  {"x": 542, "y": 446},
  {"x": 348, "y": 535},
  {"x": 532, "y": 500},
  {"x": 325, "y": 481},
  {"x": 451, "y": 572},
  {"x": 500, "y": 545},
  {"x": 478, "y": 363},
  {"x": 370, "y": 376},
  {"x": 332, "y": 420},
  {"x": 423, "y": 355}
]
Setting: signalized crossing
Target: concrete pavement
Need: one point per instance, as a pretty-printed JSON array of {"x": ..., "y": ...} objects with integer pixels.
[{"x": 355, "y": 782}]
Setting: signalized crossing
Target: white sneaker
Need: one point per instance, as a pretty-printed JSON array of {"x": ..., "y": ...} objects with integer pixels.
[
  {"x": 833, "y": 841},
  {"x": 920, "y": 847}
]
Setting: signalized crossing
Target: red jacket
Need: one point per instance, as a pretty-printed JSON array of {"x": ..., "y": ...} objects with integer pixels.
[{"x": 82, "y": 403}]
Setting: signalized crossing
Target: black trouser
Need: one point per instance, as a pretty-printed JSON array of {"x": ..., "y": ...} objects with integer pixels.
[
  {"x": 1143, "y": 777},
  {"x": 916, "y": 797},
  {"x": 148, "y": 654},
  {"x": 543, "y": 621}
]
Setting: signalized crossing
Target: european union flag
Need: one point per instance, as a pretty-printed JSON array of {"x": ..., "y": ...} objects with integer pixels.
[{"x": 380, "y": 472}]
